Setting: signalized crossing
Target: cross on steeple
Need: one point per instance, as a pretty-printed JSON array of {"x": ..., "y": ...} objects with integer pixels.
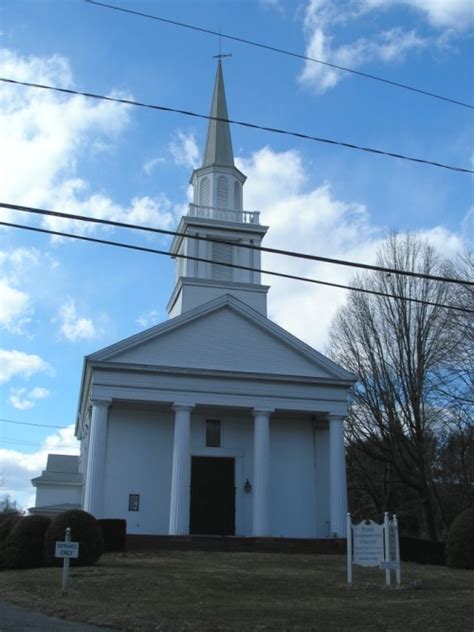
[{"x": 221, "y": 55}]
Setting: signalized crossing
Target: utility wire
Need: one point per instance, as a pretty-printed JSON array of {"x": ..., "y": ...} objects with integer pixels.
[
  {"x": 30, "y": 443},
  {"x": 232, "y": 265},
  {"x": 273, "y": 130},
  {"x": 26, "y": 423},
  {"x": 278, "y": 251},
  {"x": 282, "y": 51}
]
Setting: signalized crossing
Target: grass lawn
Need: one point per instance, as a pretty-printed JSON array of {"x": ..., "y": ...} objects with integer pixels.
[{"x": 246, "y": 591}]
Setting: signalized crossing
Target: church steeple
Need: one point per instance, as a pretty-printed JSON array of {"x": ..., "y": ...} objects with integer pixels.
[
  {"x": 217, "y": 213},
  {"x": 219, "y": 143}
]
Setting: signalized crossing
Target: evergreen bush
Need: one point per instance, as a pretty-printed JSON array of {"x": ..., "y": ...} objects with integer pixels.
[
  {"x": 24, "y": 546},
  {"x": 422, "y": 551},
  {"x": 460, "y": 542},
  {"x": 115, "y": 534},
  {"x": 84, "y": 529},
  {"x": 7, "y": 522}
]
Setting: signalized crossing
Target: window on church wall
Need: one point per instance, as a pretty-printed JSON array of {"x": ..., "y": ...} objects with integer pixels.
[
  {"x": 204, "y": 191},
  {"x": 213, "y": 433},
  {"x": 222, "y": 192},
  {"x": 221, "y": 253},
  {"x": 134, "y": 502},
  {"x": 237, "y": 196}
]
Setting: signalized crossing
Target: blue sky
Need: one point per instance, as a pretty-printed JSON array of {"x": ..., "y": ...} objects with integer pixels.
[{"x": 60, "y": 300}]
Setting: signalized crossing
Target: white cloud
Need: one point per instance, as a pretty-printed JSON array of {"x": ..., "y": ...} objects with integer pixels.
[
  {"x": 308, "y": 218},
  {"x": 14, "y": 307},
  {"x": 150, "y": 318},
  {"x": 44, "y": 135},
  {"x": 387, "y": 46},
  {"x": 150, "y": 165},
  {"x": 184, "y": 150},
  {"x": 75, "y": 328},
  {"x": 42, "y": 132},
  {"x": 15, "y": 304},
  {"x": 276, "y": 5},
  {"x": 18, "y": 468},
  {"x": 72, "y": 196},
  {"x": 22, "y": 399},
  {"x": 15, "y": 362},
  {"x": 324, "y": 17},
  {"x": 455, "y": 14}
]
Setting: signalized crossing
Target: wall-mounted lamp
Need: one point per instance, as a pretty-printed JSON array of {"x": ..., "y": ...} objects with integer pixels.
[{"x": 247, "y": 487}]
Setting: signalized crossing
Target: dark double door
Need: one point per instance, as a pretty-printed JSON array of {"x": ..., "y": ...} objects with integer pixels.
[{"x": 212, "y": 496}]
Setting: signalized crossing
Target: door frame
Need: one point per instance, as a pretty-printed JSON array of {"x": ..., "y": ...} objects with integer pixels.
[{"x": 238, "y": 456}]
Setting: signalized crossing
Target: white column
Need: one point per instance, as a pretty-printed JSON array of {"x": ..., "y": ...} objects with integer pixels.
[
  {"x": 181, "y": 472},
  {"x": 261, "y": 473},
  {"x": 95, "y": 473},
  {"x": 337, "y": 476}
]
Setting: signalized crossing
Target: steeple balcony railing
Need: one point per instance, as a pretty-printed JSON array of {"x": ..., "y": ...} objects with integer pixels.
[{"x": 224, "y": 214}]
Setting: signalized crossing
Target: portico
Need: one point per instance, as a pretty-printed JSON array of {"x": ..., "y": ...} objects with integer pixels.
[{"x": 253, "y": 437}]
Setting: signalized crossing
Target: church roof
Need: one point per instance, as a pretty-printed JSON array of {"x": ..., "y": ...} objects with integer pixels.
[
  {"x": 60, "y": 468},
  {"x": 219, "y": 143},
  {"x": 224, "y": 334},
  {"x": 53, "y": 509}
]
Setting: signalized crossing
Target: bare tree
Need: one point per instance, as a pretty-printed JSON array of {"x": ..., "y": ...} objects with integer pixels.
[{"x": 402, "y": 352}]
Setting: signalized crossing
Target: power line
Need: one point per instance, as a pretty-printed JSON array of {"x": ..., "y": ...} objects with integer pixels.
[
  {"x": 288, "y": 253},
  {"x": 30, "y": 443},
  {"x": 282, "y": 51},
  {"x": 25, "y": 423},
  {"x": 273, "y": 130},
  {"x": 20, "y": 442},
  {"x": 232, "y": 265}
]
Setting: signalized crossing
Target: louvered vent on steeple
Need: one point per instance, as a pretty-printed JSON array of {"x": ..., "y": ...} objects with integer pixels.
[
  {"x": 205, "y": 191},
  {"x": 221, "y": 253},
  {"x": 222, "y": 192}
]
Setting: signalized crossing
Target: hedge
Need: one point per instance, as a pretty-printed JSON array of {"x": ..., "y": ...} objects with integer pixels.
[
  {"x": 24, "y": 546},
  {"x": 114, "y": 532},
  {"x": 422, "y": 551},
  {"x": 460, "y": 542},
  {"x": 84, "y": 529}
]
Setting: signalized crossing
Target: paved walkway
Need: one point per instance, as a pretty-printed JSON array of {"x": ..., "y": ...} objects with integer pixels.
[{"x": 15, "y": 619}]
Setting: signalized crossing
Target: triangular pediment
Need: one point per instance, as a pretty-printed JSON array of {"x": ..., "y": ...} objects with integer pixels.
[{"x": 223, "y": 335}]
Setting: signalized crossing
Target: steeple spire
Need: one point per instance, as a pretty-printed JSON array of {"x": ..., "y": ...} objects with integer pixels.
[
  {"x": 219, "y": 143},
  {"x": 204, "y": 269}
]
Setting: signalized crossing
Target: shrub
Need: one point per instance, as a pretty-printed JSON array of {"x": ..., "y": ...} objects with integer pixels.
[
  {"x": 115, "y": 534},
  {"x": 422, "y": 551},
  {"x": 460, "y": 542},
  {"x": 24, "y": 546},
  {"x": 84, "y": 529},
  {"x": 7, "y": 522}
]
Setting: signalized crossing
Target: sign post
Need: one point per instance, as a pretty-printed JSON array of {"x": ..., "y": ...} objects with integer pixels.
[
  {"x": 386, "y": 532},
  {"x": 66, "y": 550}
]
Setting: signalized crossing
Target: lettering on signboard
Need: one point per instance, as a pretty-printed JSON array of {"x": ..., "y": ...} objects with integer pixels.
[
  {"x": 368, "y": 543},
  {"x": 67, "y": 549}
]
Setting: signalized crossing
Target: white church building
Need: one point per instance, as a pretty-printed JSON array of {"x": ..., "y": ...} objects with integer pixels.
[{"x": 217, "y": 421}]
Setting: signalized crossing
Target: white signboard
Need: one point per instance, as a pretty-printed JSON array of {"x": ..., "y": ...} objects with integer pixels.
[
  {"x": 373, "y": 544},
  {"x": 67, "y": 549},
  {"x": 367, "y": 543}
]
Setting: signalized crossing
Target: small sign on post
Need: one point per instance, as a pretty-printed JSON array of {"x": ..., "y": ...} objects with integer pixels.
[
  {"x": 372, "y": 544},
  {"x": 66, "y": 550}
]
